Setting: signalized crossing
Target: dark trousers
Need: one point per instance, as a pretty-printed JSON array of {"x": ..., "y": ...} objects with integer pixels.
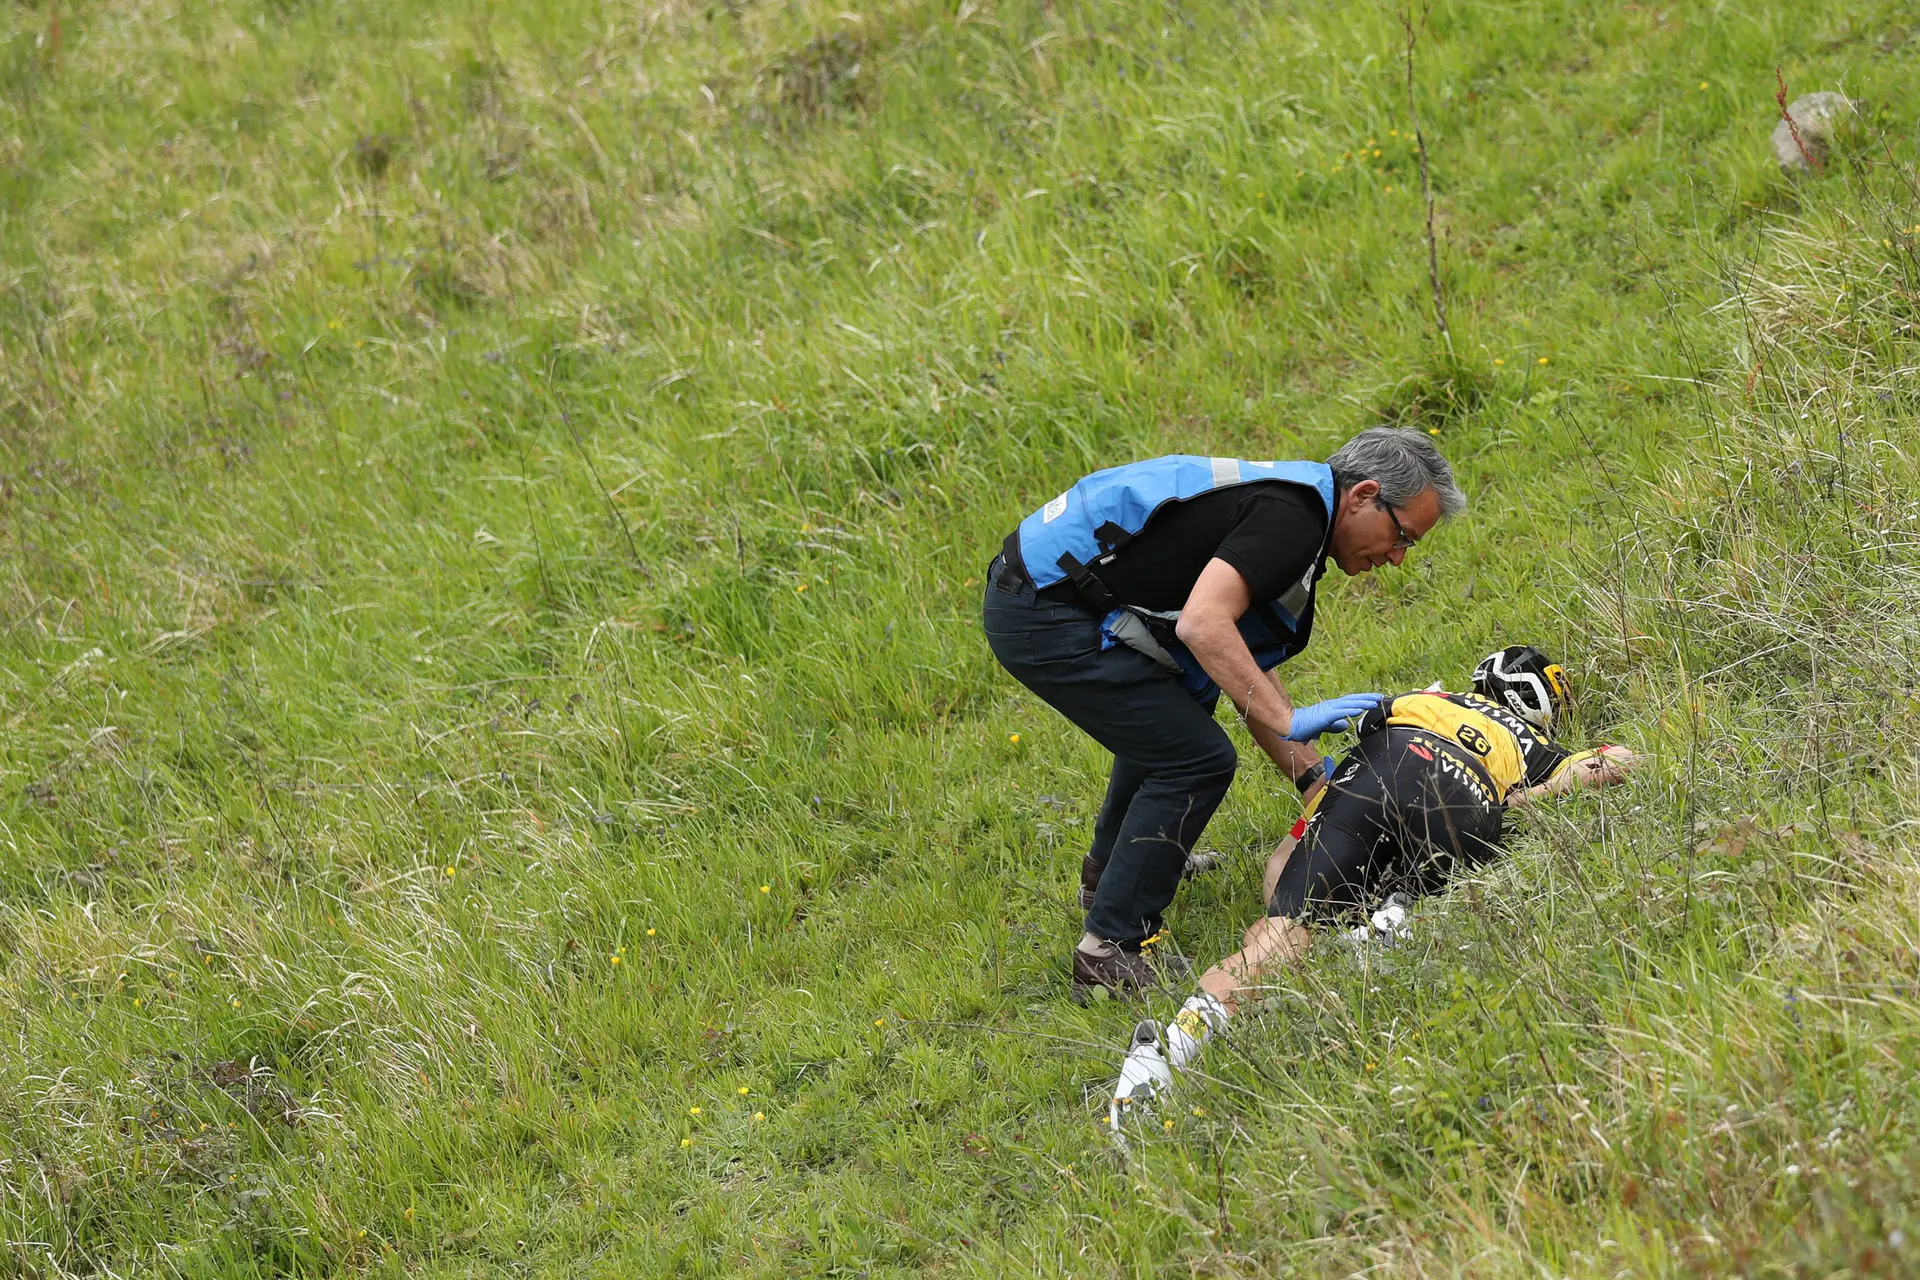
[{"x": 1172, "y": 764}]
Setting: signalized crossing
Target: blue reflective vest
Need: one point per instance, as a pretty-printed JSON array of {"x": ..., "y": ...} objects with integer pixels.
[{"x": 1068, "y": 540}]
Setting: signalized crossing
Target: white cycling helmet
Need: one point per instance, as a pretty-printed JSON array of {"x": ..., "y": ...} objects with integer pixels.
[{"x": 1526, "y": 682}]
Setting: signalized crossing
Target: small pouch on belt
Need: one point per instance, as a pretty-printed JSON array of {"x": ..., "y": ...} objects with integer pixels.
[{"x": 1125, "y": 626}]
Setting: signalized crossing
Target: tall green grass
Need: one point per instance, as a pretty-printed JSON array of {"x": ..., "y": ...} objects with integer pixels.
[
  {"x": 494, "y": 497},
  {"x": 1674, "y": 1032}
]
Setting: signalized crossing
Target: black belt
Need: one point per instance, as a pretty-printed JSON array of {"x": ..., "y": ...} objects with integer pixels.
[{"x": 1008, "y": 576}]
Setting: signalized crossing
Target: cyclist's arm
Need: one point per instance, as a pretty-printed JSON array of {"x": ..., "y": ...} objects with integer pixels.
[{"x": 1599, "y": 768}]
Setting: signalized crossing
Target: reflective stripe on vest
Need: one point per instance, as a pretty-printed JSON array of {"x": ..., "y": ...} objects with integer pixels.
[{"x": 1069, "y": 538}]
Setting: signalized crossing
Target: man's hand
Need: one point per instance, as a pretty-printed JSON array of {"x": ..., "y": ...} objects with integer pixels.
[
  {"x": 1291, "y": 758},
  {"x": 1331, "y": 715}
]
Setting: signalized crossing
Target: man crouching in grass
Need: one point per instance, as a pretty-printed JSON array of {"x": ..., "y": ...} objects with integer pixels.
[{"x": 1422, "y": 793}]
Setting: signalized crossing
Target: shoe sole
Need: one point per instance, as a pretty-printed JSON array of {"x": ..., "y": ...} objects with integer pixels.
[
  {"x": 1169, "y": 973},
  {"x": 1082, "y": 992}
]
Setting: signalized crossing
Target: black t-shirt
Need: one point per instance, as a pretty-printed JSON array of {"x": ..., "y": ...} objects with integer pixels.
[{"x": 1269, "y": 531}]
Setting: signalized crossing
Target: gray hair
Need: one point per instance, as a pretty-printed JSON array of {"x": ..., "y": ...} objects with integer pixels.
[{"x": 1403, "y": 461}]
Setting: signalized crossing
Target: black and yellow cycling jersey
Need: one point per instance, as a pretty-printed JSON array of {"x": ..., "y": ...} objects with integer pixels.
[
  {"x": 1421, "y": 795},
  {"x": 1512, "y": 752},
  {"x": 1403, "y": 810}
]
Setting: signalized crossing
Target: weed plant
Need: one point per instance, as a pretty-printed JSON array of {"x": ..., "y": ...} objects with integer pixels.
[{"x": 502, "y": 776}]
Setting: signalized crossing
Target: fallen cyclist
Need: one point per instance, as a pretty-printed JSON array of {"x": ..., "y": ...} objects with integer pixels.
[{"x": 1422, "y": 794}]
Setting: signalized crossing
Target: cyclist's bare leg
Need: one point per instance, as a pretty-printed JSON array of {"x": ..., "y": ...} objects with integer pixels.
[
  {"x": 1268, "y": 943},
  {"x": 1276, "y": 863}
]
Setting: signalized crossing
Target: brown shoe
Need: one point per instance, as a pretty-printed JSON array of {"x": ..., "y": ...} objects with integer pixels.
[{"x": 1125, "y": 973}]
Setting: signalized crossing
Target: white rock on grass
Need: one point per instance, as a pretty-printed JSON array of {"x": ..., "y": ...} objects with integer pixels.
[{"x": 1816, "y": 117}]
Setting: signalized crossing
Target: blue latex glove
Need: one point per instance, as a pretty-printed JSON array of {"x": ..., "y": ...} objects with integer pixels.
[{"x": 1331, "y": 715}]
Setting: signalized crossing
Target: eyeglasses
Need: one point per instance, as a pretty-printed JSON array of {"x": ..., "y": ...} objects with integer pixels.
[{"x": 1406, "y": 541}]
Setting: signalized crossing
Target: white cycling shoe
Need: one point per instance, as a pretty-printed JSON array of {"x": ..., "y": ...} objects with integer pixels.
[
  {"x": 1387, "y": 927},
  {"x": 1143, "y": 1075}
]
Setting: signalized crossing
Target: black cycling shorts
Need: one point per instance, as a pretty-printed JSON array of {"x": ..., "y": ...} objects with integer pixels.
[{"x": 1403, "y": 808}]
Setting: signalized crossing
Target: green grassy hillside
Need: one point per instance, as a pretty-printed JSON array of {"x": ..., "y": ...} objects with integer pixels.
[{"x": 502, "y": 775}]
